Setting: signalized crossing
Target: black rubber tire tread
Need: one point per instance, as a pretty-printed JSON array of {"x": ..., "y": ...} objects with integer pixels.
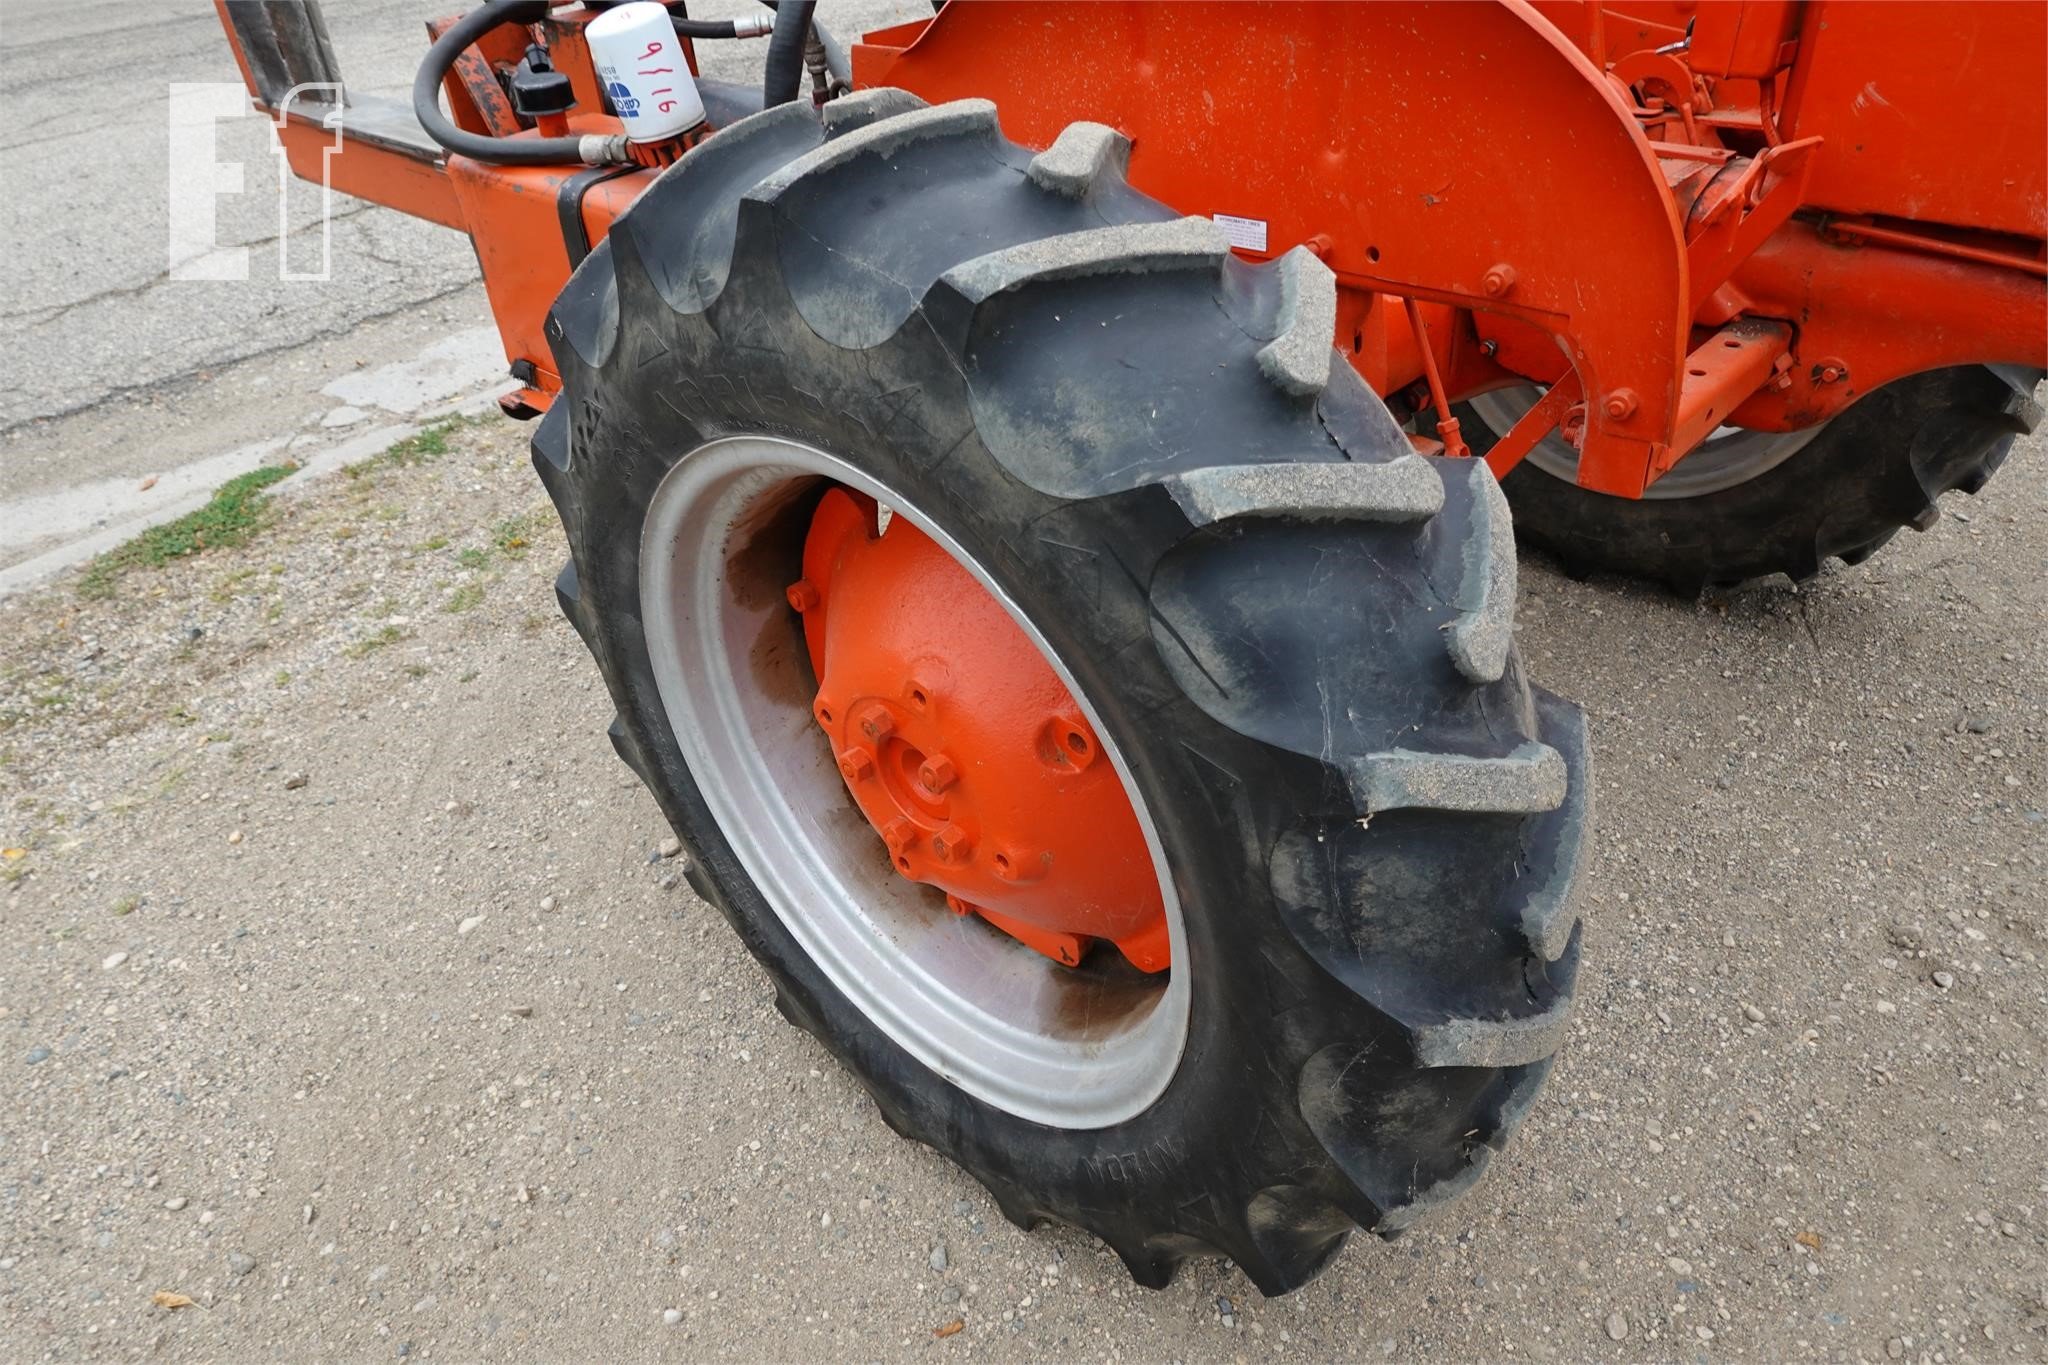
[
  {"x": 1874, "y": 470},
  {"x": 1375, "y": 996}
]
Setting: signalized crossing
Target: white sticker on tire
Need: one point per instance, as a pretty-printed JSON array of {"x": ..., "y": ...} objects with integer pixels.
[{"x": 1246, "y": 234}]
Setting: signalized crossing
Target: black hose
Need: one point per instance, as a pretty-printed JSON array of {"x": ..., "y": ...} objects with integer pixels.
[
  {"x": 440, "y": 59},
  {"x": 705, "y": 28},
  {"x": 785, "y": 70}
]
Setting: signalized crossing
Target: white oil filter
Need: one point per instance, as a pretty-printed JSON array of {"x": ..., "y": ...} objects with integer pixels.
[{"x": 637, "y": 57}]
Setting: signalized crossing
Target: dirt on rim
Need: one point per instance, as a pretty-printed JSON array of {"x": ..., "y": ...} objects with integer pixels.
[{"x": 347, "y": 993}]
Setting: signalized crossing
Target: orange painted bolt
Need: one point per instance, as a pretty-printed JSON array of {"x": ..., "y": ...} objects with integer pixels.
[
  {"x": 801, "y": 594},
  {"x": 1831, "y": 371},
  {"x": 1498, "y": 279},
  {"x": 898, "y": 834},
  {"x": 952, "y": 844},
  {"x": 937, "y": 773},
  {"x": 875, "y": 721},
  {"x": 857, "y": 763},
  {"x": 1621, "y": 404}
]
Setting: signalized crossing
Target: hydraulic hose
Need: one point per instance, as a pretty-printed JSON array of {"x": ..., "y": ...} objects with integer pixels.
[
  {"x": 440, "y": 59},
  {"x": 746, "y": 27},
  {"x": 785, "y": 69}
]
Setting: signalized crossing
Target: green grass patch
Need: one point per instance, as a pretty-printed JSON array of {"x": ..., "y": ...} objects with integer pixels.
[
  {"x": 236, "y": 512},
  {"x": 464, "y": 598},
  {"x": 473, "y": 558},
  {"x": 370, "y": 644},
  {"x": 515, "y": 535},
  {"x": 429, "y": 443}
]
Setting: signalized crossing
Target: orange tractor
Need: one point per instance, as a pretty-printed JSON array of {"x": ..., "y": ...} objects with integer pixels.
[{"x": 1038, "y": 483}]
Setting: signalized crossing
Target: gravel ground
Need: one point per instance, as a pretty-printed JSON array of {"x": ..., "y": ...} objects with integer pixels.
[{"x": 345, "y": 992}]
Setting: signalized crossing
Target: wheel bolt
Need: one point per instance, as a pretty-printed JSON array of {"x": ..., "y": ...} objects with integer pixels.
[
  {"x": 801, "y": 594},
  {"x": 857, "y": 763},
  {"x": 875, "y": 721},
  {"x": 898, "y": 834},
  {"x": 952, "y": 844},
  {"x": 937, "y": 773}
]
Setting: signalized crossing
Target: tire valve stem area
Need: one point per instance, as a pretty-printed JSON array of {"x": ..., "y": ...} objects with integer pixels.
[{"x": 963, "y": 749}]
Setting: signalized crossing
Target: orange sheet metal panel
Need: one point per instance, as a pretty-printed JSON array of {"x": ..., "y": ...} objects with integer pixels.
[
  {"x": 1458, "y": 153},
  {"x": 1931, "y": 111}
]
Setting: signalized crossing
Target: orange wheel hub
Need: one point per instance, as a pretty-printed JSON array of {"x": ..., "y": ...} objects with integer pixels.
[{"x": 962, "y": 747}]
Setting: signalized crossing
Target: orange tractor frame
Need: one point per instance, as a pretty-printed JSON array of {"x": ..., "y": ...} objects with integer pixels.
[{"x": 1677, "y": 216}]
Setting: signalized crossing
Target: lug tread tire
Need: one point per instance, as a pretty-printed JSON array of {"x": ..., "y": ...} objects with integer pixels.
[
  {"x": 1875, "y": 470},
  {"x": 1254, "y": 579}
]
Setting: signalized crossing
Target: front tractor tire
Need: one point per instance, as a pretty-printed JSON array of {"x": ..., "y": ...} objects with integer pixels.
[{"x": 1290, "y": 635}]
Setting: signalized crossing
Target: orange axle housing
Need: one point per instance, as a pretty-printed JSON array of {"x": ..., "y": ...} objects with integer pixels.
[{"x": 962, "y": 747}]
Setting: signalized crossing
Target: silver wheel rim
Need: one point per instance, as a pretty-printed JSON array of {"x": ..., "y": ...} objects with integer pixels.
[
  {"x": 1060, "y": 1046},
  {"x": 1731, "y": 456}
]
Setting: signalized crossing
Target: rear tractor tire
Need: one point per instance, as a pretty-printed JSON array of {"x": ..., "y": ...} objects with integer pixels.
[
  {"x": 1750, "y": 504},
  {"x": 1289, "y": 636}
]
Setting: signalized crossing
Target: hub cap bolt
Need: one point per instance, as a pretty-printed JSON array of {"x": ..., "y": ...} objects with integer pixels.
[
  {"x": 937, "y": 773},
  {"x": 952, "y": 844},
  {"x": 897, "y": 834},
  {"x": 857, "y": 763},
  {"x": 876, "y": 722}
]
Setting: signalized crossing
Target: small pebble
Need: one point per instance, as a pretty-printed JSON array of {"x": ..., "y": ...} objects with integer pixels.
[
  {"x": 1753, "y": 1014},
  {"x": 1944, "y": 979},
  {"x": 240, "y": 1263},
  {"x": 670, "y": 847},
  {"x": 1885, "y": 1007},
  {"x": 235, "y": 836},
  {"x": 521, "y": 1011},
  {"x": 112, "y": 960},
  {"x": 938, "y": 1258},
  {"x": 671, "y": 1316},
  {"x": 176, "y": 1203},
  {"x": 295, "y": 781},
  {"x": 38, "y": 1055},
  {"x": 547, "y": 903},
  {"x": 1617, "y": 1327},
  {"x": 469, "y": 923},
  {"x": 1679, "y": 1266}
]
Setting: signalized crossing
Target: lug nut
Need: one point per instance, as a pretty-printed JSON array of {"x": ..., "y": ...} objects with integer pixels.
[
  {"x": 857, "y": 764},
  {"x": 1621, "y": 404},
  {"x": 952, "y": 844},
  {"x": 937, "y": 773},
  {"x": 875, "y": 721},
  {"x": 898, "y": 835},
  {"x": 801, "y": 594}
]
